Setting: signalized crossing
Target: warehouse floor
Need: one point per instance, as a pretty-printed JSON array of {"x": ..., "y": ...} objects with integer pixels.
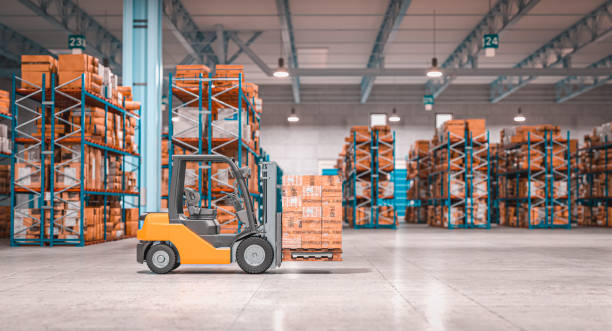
[{"x": 413, "y": 278}]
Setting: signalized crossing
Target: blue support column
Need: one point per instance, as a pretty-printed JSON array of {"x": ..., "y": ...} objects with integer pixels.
[{"x": 143, "y": 70}]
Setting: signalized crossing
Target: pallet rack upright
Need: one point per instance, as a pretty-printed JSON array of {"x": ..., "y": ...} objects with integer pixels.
[{"x": 57, "y": 101}]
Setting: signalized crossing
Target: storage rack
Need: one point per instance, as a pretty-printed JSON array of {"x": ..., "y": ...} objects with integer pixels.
[
  {"x": 419, "y": 187},
  {"x": 57, "y": 101},
  {"x": 465, "y": 177},
  {"x": 585, "y": 176},
  {"x": 540, "y": 179},
  {"x": 365, "y": 165},
  {"x": 228, "y": 93}
]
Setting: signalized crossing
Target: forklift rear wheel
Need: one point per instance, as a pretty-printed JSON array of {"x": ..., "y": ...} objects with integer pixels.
[
  {"x": 254, "y": 255},
  {"x": 161, "y": 259}
]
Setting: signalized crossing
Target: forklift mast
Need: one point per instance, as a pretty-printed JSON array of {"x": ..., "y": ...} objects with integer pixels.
[{"x": 272, "y": 218}]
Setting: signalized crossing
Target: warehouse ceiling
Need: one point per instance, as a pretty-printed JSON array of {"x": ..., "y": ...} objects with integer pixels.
[{"x": 341, "y": 33}]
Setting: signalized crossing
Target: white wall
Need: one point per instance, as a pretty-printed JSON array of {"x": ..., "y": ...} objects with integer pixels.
[{"x": 320, "y": 133}]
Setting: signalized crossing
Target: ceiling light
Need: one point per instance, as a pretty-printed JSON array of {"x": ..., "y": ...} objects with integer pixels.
[
  {"x": 281, "y": 71},
  {"x": 293, "y": 117},
  {"x": 175, "y": 119},
  {"x": 434, "y": 71},
  {"x": 394, "y": 117},
  {"x": 519, "y": 116}
]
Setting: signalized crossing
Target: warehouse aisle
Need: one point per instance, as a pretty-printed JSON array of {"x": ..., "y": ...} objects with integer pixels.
[{"x": 423, "y": 278}]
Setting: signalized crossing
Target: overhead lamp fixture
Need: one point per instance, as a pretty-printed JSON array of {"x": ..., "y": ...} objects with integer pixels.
[
  {"x": 175, "y": 119},
  {"x": 281, "y": 71},
  {"x": 519, "y": 116},
  {"x": 293, "y": 117},
  {"x": 434, "y": 71},
  {"x": 394, "y": 116}
]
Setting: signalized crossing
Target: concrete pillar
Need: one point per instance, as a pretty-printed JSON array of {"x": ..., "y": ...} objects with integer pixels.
[{"x": 143, "y": 70}]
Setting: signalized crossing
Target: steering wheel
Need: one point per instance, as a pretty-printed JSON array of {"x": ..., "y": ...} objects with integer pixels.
[{"x": 193, "y": 200}]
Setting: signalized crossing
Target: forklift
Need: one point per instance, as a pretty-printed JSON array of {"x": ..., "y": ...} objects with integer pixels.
[{"x": 167, "y": 240}]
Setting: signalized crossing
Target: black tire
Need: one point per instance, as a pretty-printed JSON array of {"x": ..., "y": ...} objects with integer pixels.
[
  {"x": 176, "y": 266},
  {"x": 161, "y": 259},
  {"x": 255, "y": 264}
]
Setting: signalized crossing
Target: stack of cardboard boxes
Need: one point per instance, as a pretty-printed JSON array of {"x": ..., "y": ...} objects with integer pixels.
[
  {"x": 5, "y": 221},
  {"x": 34, "y": 67},
  {"x": 312, "y": 213},
  {"x": 74, "y": 66},
  {"x": 5, "y": 103}
]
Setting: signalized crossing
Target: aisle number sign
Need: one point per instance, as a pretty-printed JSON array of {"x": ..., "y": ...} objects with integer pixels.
[
  {"x": 76, "y": 41},
  {"x": 428, "y": 101},
  {"x": 490, "y": 42}
]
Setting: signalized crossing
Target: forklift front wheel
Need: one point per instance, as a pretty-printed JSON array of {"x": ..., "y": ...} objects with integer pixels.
[
  {"x": 254, "y": 255},
  {"x": 161, "y": 259}
]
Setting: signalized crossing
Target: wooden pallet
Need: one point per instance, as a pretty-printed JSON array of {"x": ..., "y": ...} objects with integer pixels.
[{"x": 336, "y": 254}]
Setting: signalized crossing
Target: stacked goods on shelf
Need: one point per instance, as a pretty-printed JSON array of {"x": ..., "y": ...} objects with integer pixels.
[
  {"x": 312, "y": 215},
  {"x": 533, "y": 175},
  {"x": 369, "y": 160},
  {"x": 5, "y": 221},
  {"x": 5, "y": 139},
  {"x": 76, "y": 169},
  {"x": 67, "y": 72},
  {"x": 33, "y": 67},
  {"x": 418, "y": 164},
  {"x": 187, "y": 75},
  {"x": 72, "y": 66},
  {"x": 594, "y": 178},
  {"x": 215, "y": 115},
  {"x": 5, "y": 103}
]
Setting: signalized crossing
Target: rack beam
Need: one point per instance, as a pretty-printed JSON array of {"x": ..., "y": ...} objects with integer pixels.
[{"x": 386, "y": 34}]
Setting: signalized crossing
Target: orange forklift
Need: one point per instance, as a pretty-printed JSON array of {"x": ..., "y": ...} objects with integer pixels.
[{"x": 190, "y": 234}]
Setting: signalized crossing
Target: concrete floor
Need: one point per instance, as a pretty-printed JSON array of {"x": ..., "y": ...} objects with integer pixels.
[{"x": 413, "y": 278}]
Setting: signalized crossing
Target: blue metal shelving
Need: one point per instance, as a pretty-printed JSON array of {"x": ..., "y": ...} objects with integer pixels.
[
  {"x": 544, "y": 178},
  {"x": 211, "y": 92},
  {"x": 463, "y": 182},
  {"x": 366, "y": 164},
  {"x": 34, "y": 103}
]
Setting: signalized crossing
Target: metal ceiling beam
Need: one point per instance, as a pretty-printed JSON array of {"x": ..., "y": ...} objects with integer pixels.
[
  {"x": 247, "y": 43},
  {"x": 503, "y": 15},
  {"x": 591, "y": 28},
  {"x": 195, "y": 41},
  {"x": 246, "y": 49},
  {"x": 284, "y": 15},
  {"x": 573, "y": 86},
  {"x": 477, "y": 72},
  {"x": 391, "y": 22},
  {"x": 68, "y": 16},
  {"x": 14, "y": 44}
]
